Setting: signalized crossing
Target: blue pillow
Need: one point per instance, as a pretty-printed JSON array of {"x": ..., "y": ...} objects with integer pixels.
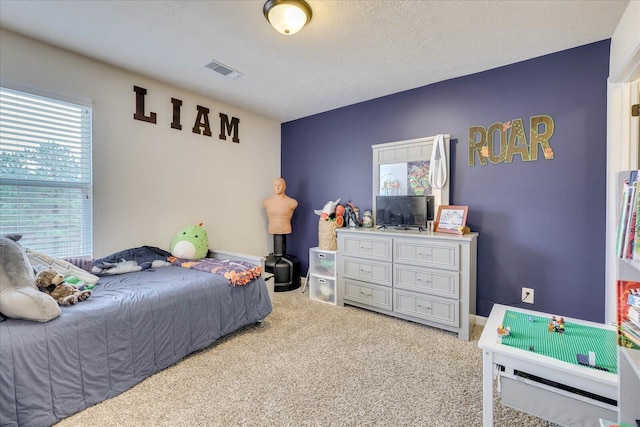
[{"x": 143, "y": 256}]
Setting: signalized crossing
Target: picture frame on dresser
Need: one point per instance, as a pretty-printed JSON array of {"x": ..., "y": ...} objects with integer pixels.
[{"x": 451, "y": 219}]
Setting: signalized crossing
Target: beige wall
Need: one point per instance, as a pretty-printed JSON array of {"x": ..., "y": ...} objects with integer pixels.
[{"x": 151, "y": 180}]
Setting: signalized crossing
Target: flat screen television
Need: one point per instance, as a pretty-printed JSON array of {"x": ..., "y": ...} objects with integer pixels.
[{"x": 403, "y": 211}]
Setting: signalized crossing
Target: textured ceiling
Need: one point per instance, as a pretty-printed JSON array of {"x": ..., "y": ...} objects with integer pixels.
[{"x": 351, "y": 51}]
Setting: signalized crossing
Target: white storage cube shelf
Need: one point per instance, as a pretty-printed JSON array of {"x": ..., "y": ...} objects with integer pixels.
[{"x": 322, "y": 275}]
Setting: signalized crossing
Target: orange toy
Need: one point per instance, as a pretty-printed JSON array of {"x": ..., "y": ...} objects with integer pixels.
[{"x": 340, "y": 215}]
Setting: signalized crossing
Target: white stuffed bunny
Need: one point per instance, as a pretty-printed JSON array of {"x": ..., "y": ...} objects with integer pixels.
[{"x": 19, "y": 296}]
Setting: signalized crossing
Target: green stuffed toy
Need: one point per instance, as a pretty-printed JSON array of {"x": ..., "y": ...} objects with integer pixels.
[
  {"x": 78, "y": 283},
  {"x": 190, "y": 243}
]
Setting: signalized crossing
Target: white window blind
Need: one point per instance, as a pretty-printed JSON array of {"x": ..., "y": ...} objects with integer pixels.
[{"x": 46, "y": 173}]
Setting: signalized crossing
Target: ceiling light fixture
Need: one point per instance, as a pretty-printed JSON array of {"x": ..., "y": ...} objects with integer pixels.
[{"x": 287, "y": 16}]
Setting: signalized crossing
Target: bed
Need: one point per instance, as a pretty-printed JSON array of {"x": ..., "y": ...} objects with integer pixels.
[{"x": 134, "y": 325}]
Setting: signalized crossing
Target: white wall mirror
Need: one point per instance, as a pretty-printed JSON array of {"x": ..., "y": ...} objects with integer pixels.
[{"x": 401, "y": 168}]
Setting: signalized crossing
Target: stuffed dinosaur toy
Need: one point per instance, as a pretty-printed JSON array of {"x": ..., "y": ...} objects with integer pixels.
[
  {"x": 51, "y": 282},
  {"x": 19, "y": 295},
  {"x": 190, "y": 243}
]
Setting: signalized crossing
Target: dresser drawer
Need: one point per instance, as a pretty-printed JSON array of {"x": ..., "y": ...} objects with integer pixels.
[
  {"x": 368, "y": 271},
  {"x": 427, "y": 307},
  {"x": 378, "y": 248},
  {"x": 445, "y": 283},
  {"x": 369, "y": 294},
  {"x": 429, "y": 254}
]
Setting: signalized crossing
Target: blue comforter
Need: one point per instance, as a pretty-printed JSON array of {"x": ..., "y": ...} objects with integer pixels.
[{"x": 134, "y": 325}]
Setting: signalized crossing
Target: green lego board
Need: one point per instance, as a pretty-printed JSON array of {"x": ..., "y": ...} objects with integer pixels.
[{"x": 527, "y": 331}]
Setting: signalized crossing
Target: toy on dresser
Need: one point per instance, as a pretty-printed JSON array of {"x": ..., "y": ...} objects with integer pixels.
[{"x": 328, "y": 211}]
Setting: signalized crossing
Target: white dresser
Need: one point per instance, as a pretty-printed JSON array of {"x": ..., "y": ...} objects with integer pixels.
[{"x": 425, "y": 277}]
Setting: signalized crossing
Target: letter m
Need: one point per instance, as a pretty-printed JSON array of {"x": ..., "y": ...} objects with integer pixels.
[{"x": 226, "y": 127}]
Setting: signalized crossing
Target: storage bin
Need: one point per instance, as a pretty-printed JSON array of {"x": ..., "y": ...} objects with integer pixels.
[
  {"x": 322, "y": 289},
  {"x": 322, "y": 262}
]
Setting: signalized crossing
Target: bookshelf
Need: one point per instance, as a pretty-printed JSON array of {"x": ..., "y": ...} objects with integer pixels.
[
  {"x": 629, "y": 387},
  {"x": 627, "y": 275}
]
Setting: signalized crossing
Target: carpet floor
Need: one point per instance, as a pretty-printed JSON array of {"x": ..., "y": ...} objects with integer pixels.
[{"x": 314, "y": 364}]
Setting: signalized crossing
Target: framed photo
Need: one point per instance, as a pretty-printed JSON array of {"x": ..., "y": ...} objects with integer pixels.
[{"x": 451, "y": 219}]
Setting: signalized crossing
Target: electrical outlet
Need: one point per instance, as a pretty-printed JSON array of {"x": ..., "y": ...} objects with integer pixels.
[{"x": 527, "y": 295}]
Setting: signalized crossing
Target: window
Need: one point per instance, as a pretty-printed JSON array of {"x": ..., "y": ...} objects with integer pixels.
[{"x": 46, "y": 172}]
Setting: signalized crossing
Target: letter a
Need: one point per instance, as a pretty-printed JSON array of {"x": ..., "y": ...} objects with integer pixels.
[{"x": 202, "y": 121}]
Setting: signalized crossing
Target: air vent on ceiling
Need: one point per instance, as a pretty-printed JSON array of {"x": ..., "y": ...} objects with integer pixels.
[{"x": 220, "y": 68}]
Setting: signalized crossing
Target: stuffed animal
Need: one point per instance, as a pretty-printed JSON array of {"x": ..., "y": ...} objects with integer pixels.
[
  {"x": 190, "y": 243},
  {"x": 351, "y": 217},
  {"x": 52, "y": 283},
  {"x": 327, "y": 210},
  {"x": 19, "y": 295},
  {"x": 340, "y": 215}
]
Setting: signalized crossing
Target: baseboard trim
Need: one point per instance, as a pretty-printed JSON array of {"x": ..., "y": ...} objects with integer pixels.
[{"x": 480, "y": 320}]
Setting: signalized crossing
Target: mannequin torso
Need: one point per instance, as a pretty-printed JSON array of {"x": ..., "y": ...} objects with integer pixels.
[{"x": 279, "y": 209}]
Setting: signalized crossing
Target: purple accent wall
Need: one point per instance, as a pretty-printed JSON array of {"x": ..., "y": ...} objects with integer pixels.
[{"x": 541, "y": 223}]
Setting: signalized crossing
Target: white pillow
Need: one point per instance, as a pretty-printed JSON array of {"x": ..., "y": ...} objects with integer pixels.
[{"x": 65, "y": 268}]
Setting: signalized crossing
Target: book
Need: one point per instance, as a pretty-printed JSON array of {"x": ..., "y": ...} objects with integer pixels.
[
  {"x": 633, "y": 313},
  {"x": 631, "y": 225},
  {"x": 625, "y": 215},
  {"x": 632, "y": 337},
  {"x": 627, "y": 338},
  {"x": 623, "y": 219},
  {"x": 631, "y": 330},
  {"x": 628, "y": 310},
  {"x": 636, "y": 242}
]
